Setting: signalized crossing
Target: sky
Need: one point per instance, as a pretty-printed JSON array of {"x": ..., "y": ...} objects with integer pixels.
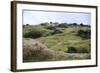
[{"x": 36, "y": 17}]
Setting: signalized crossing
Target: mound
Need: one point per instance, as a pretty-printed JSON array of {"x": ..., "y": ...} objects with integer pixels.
[{"x": 36, "y": 51}]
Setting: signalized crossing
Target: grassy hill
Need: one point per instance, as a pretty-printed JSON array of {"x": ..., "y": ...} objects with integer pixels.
[{"x": 61, "y": 42}]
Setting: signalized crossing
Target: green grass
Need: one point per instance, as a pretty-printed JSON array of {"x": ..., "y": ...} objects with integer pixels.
[
  {"x": 31, "y": 53},
  {"x": 63, "y": 41},
  {"x": 57, "y": 44}
]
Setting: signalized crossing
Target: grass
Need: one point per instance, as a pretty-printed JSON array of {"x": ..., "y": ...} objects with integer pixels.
[
  {"x": 63, "y": 41},
  {"x": 55, "y": 46},
  {"x": 31, "y": 53}
]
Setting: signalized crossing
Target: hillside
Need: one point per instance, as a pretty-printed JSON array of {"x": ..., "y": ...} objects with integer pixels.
[{"x": 58, "y": 42}]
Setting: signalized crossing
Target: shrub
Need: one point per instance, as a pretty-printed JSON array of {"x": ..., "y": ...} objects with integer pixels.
[
  {"x": 27, "y": 24},
  {"x": 44, "y": 24},
  {"x": 72, "y": 50},
  {"x": 84, "y": 34},
  {"x": 81, "y": 24},
  {"x": 63, "y": 25},
  {"x": 78, "y": 50},
  {"x": 33, "y": 34},
  {"x": 24, "y": 26},
  {"x": 50, "y": 27},
  {"x": 50, "y": 22},
  {"x": 74, "y": 24},
  {"x": 56, "y": 31},
  {"x": 56, "y": 23}
]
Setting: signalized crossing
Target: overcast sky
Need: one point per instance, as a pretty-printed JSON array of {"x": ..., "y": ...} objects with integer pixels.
[{"x": 36, "y": 17}]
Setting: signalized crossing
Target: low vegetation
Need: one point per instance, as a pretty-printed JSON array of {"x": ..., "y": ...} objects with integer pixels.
[{"x": 54, "y": 41}]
